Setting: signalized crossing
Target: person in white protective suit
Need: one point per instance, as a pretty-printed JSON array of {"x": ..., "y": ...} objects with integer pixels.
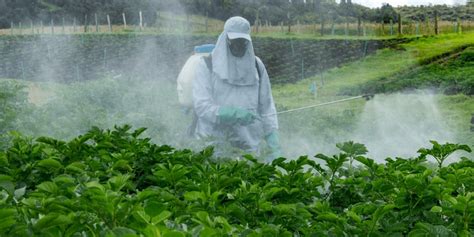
[{"x": 232, "y": 95}]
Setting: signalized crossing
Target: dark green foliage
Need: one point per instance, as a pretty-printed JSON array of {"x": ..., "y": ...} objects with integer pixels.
[{"x": 115, "y": 183}]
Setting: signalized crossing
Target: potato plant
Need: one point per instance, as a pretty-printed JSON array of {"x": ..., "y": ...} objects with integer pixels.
[{"x": 114, "y": 182}]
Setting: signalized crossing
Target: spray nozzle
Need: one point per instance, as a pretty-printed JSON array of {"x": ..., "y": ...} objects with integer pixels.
[{"x": 368, "y": 96}]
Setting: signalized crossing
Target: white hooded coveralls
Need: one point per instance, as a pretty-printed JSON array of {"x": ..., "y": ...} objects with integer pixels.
[{"x": 233, "y": 82}]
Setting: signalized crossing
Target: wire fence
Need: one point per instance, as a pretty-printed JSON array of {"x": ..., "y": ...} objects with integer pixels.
[{"x": 167, "y": 23}]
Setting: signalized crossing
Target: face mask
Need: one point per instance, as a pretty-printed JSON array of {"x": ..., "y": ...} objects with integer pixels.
[{"x": 238, "y": 47}]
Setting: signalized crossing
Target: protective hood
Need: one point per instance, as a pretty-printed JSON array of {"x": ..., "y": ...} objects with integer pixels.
[{"x": 235, "y": 70}]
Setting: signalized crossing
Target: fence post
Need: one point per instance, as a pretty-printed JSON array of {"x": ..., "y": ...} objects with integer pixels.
[
  {"x": 346, "y": 28},
  {"x": 391, "y": 27},
  {"x": 96, "y": 23},
  {"x": 206, "y": 21},
  {"x": 108, "y": 22},
  {"x": 436, "y": 22},
  {"x": 52, "y": 26},
  {"x": 124, "y": 21},
  {"x": 364, "y": 30},
  {"x": 399, "y": 24},
  {"x": 105, "y": 59},
  {"x": 19, "y": 26},
  {"x": 322, "y": 24},
  {"x": 332, "y": 28},
  {"x": 32, "y": 27},
  {"x": 281, "y": 26},
  {"x": 11, "y": 27},
  {"x": 417, "y": 28},
  {"x": 458, "y": 25},
  {"x": 359, "y": 26},
  {"x": 74, "y": 25},
  {"x": 141, "y": 20},
  {"x": 86, "y": 23},
  {"x": 64, "y": 26}
]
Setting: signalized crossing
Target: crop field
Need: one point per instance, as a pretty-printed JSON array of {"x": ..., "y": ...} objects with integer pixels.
[{"x": 104, "y": 152}]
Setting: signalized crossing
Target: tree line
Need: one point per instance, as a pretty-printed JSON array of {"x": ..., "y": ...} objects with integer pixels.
[{"x": 268, "y": 11}]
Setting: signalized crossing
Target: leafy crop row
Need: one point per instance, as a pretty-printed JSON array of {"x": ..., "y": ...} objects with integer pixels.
[{"x": 115, "y": 183}]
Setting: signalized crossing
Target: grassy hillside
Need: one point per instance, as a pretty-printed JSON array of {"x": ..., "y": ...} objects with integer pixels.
[{"x": 336, "y": 123}]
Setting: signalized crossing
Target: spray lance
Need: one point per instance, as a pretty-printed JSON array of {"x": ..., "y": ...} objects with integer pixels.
[{"x": 366, "y": 97}]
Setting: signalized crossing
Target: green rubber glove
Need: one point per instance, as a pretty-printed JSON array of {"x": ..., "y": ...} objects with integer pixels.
[
  {"x": 273, "y": 142},
  {"x": 234, "y": 115}
]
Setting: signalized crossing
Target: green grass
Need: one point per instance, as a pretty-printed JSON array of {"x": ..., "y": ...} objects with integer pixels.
[
  {"x": 326, "y": 125},
  {"x": 384, "y": 63}
]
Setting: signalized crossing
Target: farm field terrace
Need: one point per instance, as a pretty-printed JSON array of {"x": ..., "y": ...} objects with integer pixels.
[{"x": 64, "y": 176}]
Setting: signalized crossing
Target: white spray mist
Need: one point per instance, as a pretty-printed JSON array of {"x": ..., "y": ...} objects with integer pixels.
[{"x": 397, "y": 125}]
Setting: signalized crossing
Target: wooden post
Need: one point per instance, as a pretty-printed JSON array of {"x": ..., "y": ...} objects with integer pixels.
[
  {"x": 32, "y": 27},
  {"x": 281, "y": 26},
  {"x": 42, "y": 27},
  {"x": 85, "y": 23},
  {"x": 19, "y": 26},
  {"x": 11, "y": 27},
  {"x": 64, "y": 26},
  {"x": 399, "y": 24},
  {"x": 436, "y": 22},
  {"x": 458, "y": 25},
  {"x": 141, "y": 20},
  {"x": 52, "y": 26},
  {"x": 74, "y": 25},
  {"x": 417, "y": 28},
  {"x": 96, "y": 23},
  {"x": 333, "y": 27},
  {"x": 364, "y": 29},
  {"x": 322, "y": 25},
  {"x": 108, "y": 22},
  {"x": 391, "y": 27},
  {"x": 206, "y": 21},
  {"x": 346, "y": 28},
  {"x": 359, "y": 26},
  {"x": 124, "y": 21}
]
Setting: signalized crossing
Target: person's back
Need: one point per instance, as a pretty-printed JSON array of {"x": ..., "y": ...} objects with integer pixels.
[{"x": 232, "y": 97}]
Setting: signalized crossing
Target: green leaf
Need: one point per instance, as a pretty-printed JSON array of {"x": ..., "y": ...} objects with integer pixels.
[
  {"x": 153, "y": 208},
  {"x": 76, "y": 167},
  {"x": 3, "y": 160},
  {"x": 6, "y": 182},
  {"x": 152, "y": 230},
  {"x": 50, "y": 164},
  {"x": 141, "y": 216},
  {"x": 194, "y": 196},
  {"x": 161, "y": 217},
  {"x": 19, "y": 193},
  {"x": 121, "y": 232},
  {"x": 175, "y": 234},
  {"x": 428, "y": 230},
  {"x": 51, "y": 220},
  {"x": 48, "y": 187},
  {"x": 7, "y": 218},
  {"x": 352, "y": 149},
  {"x": 436, "y": 209},
  {"x": 118, "y": 182}
]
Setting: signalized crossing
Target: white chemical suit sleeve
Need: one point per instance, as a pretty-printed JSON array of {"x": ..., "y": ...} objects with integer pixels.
[
  {"x": 204, "y": 104},
  {"x": 266, "y": 108}
]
